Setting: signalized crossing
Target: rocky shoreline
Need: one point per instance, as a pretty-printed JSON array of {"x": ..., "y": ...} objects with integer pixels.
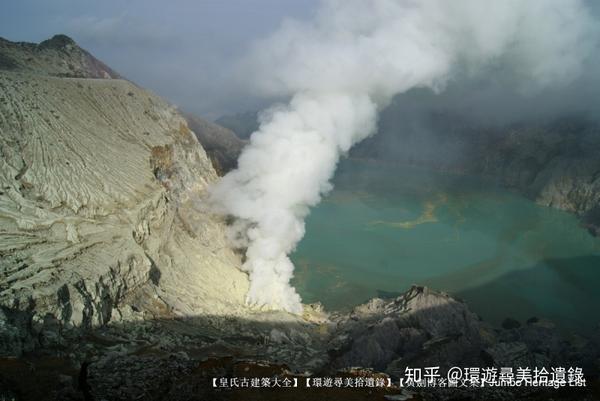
[
  {"x": 177, "y": 358},
  {"x": 554, "y": 163}
]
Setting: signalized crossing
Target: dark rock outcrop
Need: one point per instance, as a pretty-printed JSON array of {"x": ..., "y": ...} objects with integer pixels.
[
  {"x": 176, "y": 359},
  {"x": 221, "y": 144},
  {"x": 419, "y": 327}
]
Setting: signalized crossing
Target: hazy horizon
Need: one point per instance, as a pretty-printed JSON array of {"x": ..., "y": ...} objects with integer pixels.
[
  {"x": 189, "y": 53},
  {"x": 183, "y": 52}
]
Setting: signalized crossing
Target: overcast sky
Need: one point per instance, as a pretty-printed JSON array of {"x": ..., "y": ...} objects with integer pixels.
[
  {"x": 186, "y": 50},
  {"x": 180, "y": 49}
]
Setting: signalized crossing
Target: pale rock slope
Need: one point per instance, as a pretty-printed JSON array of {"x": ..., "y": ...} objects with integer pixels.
[
  {"x": 58, "y": 56},
  {"x": 101, "y": 210}
]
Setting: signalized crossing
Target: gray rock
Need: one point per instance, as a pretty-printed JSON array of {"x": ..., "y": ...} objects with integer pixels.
[
  {"x": 418, "y": 326},
  {"x": 114, "y": 227}
]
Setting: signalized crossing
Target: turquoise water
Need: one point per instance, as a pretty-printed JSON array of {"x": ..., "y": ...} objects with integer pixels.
[{"x": 386, "y": 227}]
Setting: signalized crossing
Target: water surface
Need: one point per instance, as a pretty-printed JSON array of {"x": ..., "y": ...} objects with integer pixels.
[{"x": 386, "y": 227}]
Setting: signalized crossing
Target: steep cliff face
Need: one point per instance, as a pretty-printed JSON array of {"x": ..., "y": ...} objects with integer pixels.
[
  {"x": 552, "y": 162},
  {"x": 101, "y": 208},
  {"x": 221, "y": 144},
  {"x": 556, "y": 164}
]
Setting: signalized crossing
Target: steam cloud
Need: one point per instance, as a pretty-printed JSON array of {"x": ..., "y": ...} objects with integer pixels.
[{"x": 344, "y": 66}]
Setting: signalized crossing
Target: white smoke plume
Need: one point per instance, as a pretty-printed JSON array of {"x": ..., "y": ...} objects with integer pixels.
[{"x": 341, "y": 68}]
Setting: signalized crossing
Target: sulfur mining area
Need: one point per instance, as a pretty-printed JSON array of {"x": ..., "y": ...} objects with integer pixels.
[{"x": 119, "y": 282}]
